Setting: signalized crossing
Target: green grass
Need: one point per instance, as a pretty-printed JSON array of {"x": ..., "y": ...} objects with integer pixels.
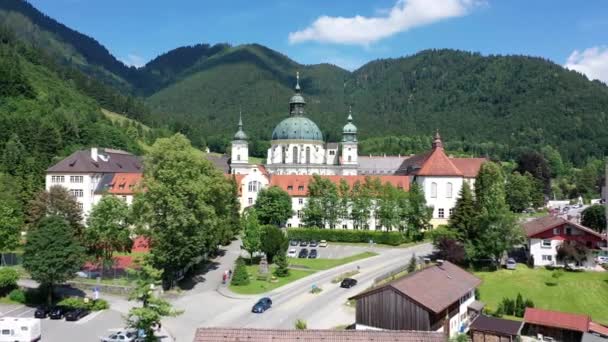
[
  {"x": 324, "y": 264},
  {"x": 575, "y": 292},
  {"x": 260, "y": 286},
  {"x": 256, "y": 160},
  {"x": 365, "y": 244}
]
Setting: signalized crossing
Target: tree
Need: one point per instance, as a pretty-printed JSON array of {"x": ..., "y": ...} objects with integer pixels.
[
  {"x": 523, "y": 191},
  {"x": 411, "y": 267},
  {"x": 389, "y": 209},
  {"x": 361, "y": 205},
  {"x": 8, "y": 280},
  {"x": 463, "y": 217},
  {"x": 498, "y": 233},
  {"x": 184, "y": 206},
  {"x": 273, "y": 206},
  {"x": 240, "y": 276},
  {"x": 10, "y": 226},
  {"x": 594, "y": 217},
  {"x": 52, "y": 253},
  {"x": 451, "y": 250},
  {"x": 572, "y": 252},
  {"x": 108, "y": 229},
  {"x": 300, "y": 324},
  {"x": 153, "y": 308},
  {"x": 535, "y": 164},
  {"x": 274, "y": 242},
  {"x": 323, "y": 206},
  {"x": 56, "y": 202},
  {"x": 490, "y": 189},
  {"x": 251, "y": 233},
  {"x": 419, "y": 214},
  {"x": 282, "y": 269}
]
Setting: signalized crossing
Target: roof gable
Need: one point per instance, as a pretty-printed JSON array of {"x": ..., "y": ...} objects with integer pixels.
[
  {"x": 542, "y": 224},
  {"x": 107, "y": 161},
  {"x": 438, "y": 164}
]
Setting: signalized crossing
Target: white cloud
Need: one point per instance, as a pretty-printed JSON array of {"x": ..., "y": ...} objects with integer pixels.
[
  {"x": 133, "y": 60},
  {"x": 592, "y": 62},
  {"x": 360, "y": 30}
]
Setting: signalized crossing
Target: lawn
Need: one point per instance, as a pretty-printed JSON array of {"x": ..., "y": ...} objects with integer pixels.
[
  {"x": 576, "y": 292},
  {"x": 260, "y": 286},
  {"x": 324, "y": 264}
]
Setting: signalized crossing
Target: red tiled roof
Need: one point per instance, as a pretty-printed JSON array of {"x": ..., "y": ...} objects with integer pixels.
[
  {"x": 435, "y": 287},
  {"x": 598, "y": 328},
  {"x": 124, "y": 183},
  {"x": 297, "y": 185},
  {"x": 438, "y": 164},
  {"x": 541, "y": 224},
  {"x": 284, "y": 335},
  {"x": 468, "y": 166},
  {"x": 556, "y": 319}
]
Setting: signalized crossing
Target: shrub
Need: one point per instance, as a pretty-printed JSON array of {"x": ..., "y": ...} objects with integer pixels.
[
  {"x": 17, "y": 295},
  {"x": 99, "y": 304},
  {"x": 80, "y": 303},
  {"x": 8, "y": 280},
  {"x": 301, "y": 324},
  {"x": 515, "y": 307},
  {"x": 344, "y": 235},
  {"x": 240, "y": 276},
  {"x": 411, "y": 267},
  {"x": 282, "y": 269}
]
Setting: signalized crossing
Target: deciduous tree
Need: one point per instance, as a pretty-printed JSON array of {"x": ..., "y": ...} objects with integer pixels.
[
  {"x": 273, "y": 206},
  {"x": 274, "y": 242},
  {"x": 252, "y": 233},
  {"x": 594, "y": 217},
  {"x": 56, "y": 202}
]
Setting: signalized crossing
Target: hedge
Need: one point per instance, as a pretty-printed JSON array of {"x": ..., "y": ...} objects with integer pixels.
[
  {"x": 345, "y": 235},
  {"x": 80, "y": 303}
]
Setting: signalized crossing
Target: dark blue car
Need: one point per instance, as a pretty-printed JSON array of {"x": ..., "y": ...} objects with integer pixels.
[{"x": 262, "y": 305}]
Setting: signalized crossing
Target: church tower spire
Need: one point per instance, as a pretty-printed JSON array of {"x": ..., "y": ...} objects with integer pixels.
[
  {"x": 437, "y": 143},
  {"x": 297, "y": 103}
]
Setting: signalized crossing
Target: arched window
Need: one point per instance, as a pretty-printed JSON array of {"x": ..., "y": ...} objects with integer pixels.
[
  {"x": 350, "y": 158},
  {"x": 433, "y": 190},
  {"x": 238, "y": 157},
  {"x": 448, "y": 190},
  {"x": 295, "y": 155},
  {"x": 307, "y": 155},
  {"x": 283, "y": 154}
]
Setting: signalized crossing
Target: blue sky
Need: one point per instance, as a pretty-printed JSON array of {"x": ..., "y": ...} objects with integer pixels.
[{"x": 570, "y": 33}]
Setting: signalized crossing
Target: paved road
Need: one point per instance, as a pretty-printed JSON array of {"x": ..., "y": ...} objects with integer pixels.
[{"x": 293, "y": 301}]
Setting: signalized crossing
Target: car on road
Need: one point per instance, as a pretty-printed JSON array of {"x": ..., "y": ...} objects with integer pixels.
[
  {"x": 292, "y": 253},
  {"x": 313, "y": 254},
  {"x": 41, "y": 312},
  {"x": 313, "y": 243},
  {"x": 303, "y": 253},
  {"x": 294, "y": 242},
  {"x": 121, "y": 336},
  {"x": 347, "y": 283},
  {"x": 322, "y": 243},
  {"x": 602, "y": 259},
  {"x": 57, "y": 312},
  {"x": 75, "y": 314},
  {"x": 303, "y": 243},
  {"x": 511, "y": 264},
  {"x": 262, "y": 305}
]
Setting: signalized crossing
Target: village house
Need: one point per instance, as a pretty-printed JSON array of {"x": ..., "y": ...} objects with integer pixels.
[{"x": 438, "y": 298}]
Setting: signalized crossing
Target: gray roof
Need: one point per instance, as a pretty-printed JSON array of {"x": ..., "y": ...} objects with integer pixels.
[
  {"x": 380, "y": 164},
  {"x": 331, "y": 145},
  {"x": 108, "y": 161},
  {"x": 496, "y": 325},
  {"x": 219, "y": 161},
  {"x": 285, "y": 335},
  {"x": 104, "y": 183},
  {"x": 588, "y": 337}
]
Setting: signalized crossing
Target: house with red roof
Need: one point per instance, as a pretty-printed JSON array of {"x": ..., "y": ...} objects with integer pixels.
[
  {"x": 559, "y": 326},
  {"x": 546, "y": 235}
]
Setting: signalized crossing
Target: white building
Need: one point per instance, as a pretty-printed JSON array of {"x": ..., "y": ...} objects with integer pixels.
[
  {"x": 547, "y": 234},
  {"x": 88, "y": 174}
]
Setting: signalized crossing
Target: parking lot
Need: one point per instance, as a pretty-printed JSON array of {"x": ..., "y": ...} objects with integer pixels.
[
  {"x": 88, "y": 329},
  {"x": 334, "y": 251}
]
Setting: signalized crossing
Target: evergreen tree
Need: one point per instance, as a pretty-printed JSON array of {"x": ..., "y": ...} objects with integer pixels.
[
  {"x": 282, "y": 269},
  {"x": 240, "y": 276},
  {"x": 419, "y": 214},
  {"x": 490, "y": 189},
  {"x": 252, "y": 233},
  {"x": 463, "y": 217},
  {"x": 411, "y": 267}
]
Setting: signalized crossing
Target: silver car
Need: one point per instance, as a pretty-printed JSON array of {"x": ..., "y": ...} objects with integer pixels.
[
  {"x": 511, "y": 264},
  {"x": 121, "y": 336}
]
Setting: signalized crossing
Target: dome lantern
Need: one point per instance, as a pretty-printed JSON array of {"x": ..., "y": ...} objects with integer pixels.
[
  {"x": 297, "y": 102},
  {"x": 240, "y": 134},
  {"x": 349, "y": 132}
]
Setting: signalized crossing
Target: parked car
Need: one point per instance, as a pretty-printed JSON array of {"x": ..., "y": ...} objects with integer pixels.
[
  {"x": 262, "y": 305},
  {"x": 121, "y": 336},
  {"x": 75, "y": 314},
  {"x": 602, "y": 259},
  {"x": 57, "y": 312},
  {"x": 511, "y": 264},
  {"x": 88, "y": 274},
  {"x": 303, "y": 253},
  {"x": 347, "y": 283},
  {"x": 42, "y": 312},
  {"x": 313, "y": 243},
  {"x": 312, "y": 254},
  {"x": 292, "y": 253},
  {"x": 294, "y": 242},
  {"x": 322, "y": 243},
  {"x": 303, "y": 243}
]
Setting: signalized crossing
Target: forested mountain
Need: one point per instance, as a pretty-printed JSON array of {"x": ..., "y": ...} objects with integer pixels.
[{"x": 494, "y": 106}]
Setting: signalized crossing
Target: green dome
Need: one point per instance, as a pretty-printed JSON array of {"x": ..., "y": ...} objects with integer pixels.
[
  {"x": 297, "y": 128},
  {"x": 240, "y": 135}
]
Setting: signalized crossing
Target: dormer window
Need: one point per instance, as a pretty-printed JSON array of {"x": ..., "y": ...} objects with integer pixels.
[{"x": 290, "y": 187}]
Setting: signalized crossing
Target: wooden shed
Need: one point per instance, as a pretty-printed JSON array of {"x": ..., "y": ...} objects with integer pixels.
[{"x": 492, "y": 329}]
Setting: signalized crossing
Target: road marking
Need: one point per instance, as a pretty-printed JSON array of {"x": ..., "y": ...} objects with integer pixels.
[
  {"x": 15, "y": 309},
  {"x": 89, "y": 317}
]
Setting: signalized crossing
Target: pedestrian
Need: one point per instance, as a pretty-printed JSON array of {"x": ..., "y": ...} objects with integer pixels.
[
  {"x": 224, "y": 279},
  {"x": 230, "y": 273}
]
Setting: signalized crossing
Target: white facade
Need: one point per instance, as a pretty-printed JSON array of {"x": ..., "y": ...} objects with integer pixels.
[
  {"x": 544, "y": 253},
  {"x": 441, "y": 193},
  {"x": 80, "y": 185},
  {"x": 250, "y": 186}
]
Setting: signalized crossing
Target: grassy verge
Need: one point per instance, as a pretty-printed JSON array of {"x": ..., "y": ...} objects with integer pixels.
[
  {"x": 365, "y": 244},
  {"x": 575, "y": 292},
  {"x": 121, "y": 281},
  {"x": 324, "y": 264},
  {"x": 260, "y": 286}
]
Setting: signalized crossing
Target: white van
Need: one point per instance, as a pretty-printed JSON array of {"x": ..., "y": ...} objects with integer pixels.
[{"x": 17, "y": 329}]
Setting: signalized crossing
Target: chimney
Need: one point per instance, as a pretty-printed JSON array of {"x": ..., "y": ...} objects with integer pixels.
[
  {"x": 439, "y": 262},
  {"x": 94, "y": 154}
]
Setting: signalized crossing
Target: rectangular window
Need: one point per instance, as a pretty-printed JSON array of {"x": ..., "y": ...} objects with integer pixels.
[
  {"x": 299, "y": 213},
  {"x": 300, "y": 201},
  {"x": 331, "y": 153},
  {"x": 80, "y": 205},
  {"x": 301, "y": 188},
  {"x": 547, "y": 257},
  {"x": 344, "y": 226},
  {"x": 440, "y": 213},
  {"x": 124, "y": 198},
  {"x": 77, "y": 192},
  {"x": 289, "y": 225},
  {"x": 568, "y": 231},
  {"x": 57, "y": 179},
  {"x": 250, "y": 200},
  {"x": 451, "y": 212},
  {"x": 546, "y": 244},
  {"x": 448, "y": 190},
  {"x": 555, "y": 231},
  {"x": 76, "y": 179}
]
